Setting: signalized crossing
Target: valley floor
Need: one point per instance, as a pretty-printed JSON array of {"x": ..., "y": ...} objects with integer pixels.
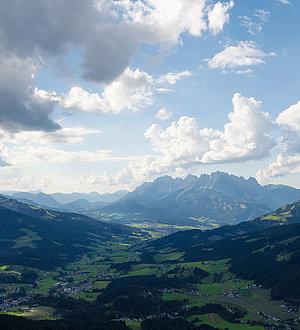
[{"x": 201, "y": 292}]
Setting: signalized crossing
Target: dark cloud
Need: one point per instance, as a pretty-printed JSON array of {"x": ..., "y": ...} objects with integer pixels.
[
  {"x": 35, "y": 31},
  {"x": 45, "y": 26},
  {"x": 25, "y": 114},
  {"x": 20, "y": 109},
  {"x": 108, "y": 52},
  {"x": 47, "y": 29}
]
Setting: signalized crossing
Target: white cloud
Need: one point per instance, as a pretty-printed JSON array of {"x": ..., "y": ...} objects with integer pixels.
[
  {"x": 255, "y": 24},
  {"x": 283, "y": 165},
  {"x": 164, "y": 21},
  {"x": 132, "y": 90},
  {"x": 26, "y": 149},
  {"x": 81, "y": 99},
  {"x": 19, "y": 156},
  {"x": 263, "y": 14},
  {"x": 65, "y": 135},
  {"x": 287, "y": 161},
  {"x": 245, "y": 137},
  {"x": 48, "y": 96},
  {"x": 141, "y": 169},
  {"x": 245, "y": 72},
  {"x": 290, "y": 117},
  {"x": 25, "y": 183},
  {"x": 163, "y": 114},
  {"x": 284, "y": 2},
  {"x": 37, "y": 147},
  {"x": 219, "y": 16},
  {"x": 103, "y": 179},
  {"x": 172, "y": 77},
  {"x": 243, "y": 55},
  {"x": 184, "y": 143}
]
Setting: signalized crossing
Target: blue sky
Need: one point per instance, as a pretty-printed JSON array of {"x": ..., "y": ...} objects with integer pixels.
[{"x": 86, "y": 90}]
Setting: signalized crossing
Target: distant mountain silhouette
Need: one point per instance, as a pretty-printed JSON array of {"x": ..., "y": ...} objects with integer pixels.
[
  {"x": 73, "y": 202},
  {"x": 91, "y": 197}
]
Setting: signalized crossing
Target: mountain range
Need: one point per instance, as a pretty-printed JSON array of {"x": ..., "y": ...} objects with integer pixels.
[
  {"x": 205, "y": 202},
  {"x": 213, "y": 200},
  {"x": 72, "y": 202}
]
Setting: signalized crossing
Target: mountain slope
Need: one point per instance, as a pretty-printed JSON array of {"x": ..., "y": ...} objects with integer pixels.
[
  {"x": 217, "y": 198},
  {"x": 36, "y": 237},
  {"x": 191, "y": 238},
  {"x": 287, "y": 214},
  {"x": 82, "y": 205},
  {"x": 38, "y": 198},
  {"x": 265, "y": 251}
]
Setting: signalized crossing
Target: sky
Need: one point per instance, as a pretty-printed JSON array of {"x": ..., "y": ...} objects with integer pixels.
[{"x": 103, "y": 95}]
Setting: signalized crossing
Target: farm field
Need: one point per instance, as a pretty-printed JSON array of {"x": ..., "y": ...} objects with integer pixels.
[
  {"x": 34, "y": 313},
  {"x": 112, "y": 274}
]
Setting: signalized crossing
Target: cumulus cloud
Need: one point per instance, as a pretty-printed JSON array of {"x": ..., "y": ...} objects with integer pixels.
[
  {"x": 287, "y": 161},
  {"x": 132, "y": 90},
  {"x": 284, "y": 165},
  {"x": 246, "y": 136},
  {"x": 79, "y": 98},
  {"x": 250, "y": 134},
  {"x": 165, "y": 21},
  {"x": 141, "y": 169},
  {"x": 184, "y": 144},
  {"x": 242, "y": 55},
  {"x": 163, "y": 114},
  {"x": 219, "y": 16},
  {"x": 181, "y": 142},
  {"x": 290, "y": 117}
]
